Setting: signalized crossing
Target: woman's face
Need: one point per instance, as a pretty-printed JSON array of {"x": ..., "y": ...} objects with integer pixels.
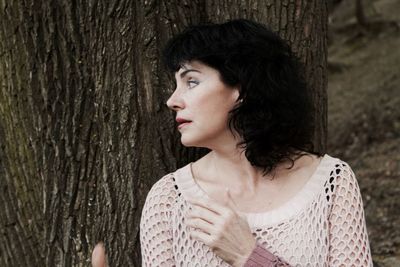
[{"x": 204, "y": 100}]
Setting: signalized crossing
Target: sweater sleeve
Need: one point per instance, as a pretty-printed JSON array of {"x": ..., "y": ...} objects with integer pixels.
[
  {"x": 155, "y": 229},
  {"x": 349, "y": 245},
  {"x": 261, "y": 257}
]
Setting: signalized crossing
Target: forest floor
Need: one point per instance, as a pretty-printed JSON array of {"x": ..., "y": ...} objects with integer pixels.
[{"x": 364, "y": 114}]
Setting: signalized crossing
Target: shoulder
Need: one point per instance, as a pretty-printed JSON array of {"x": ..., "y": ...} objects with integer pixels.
[
  {"x": 161, "y": 196},
  {"x": 335, "y": 165},
  {"x": 342, "y": 180},
  {"x": 164, "y": 190},
  {"x": 334, "y": 174},
  {"x": 340, "y": 169}
]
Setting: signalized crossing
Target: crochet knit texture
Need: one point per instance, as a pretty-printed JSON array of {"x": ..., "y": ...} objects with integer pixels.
[{"x": 322, "y": 225}]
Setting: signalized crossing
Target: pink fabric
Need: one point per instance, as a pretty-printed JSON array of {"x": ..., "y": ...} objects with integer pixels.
[{"x": 261, "y": 257}]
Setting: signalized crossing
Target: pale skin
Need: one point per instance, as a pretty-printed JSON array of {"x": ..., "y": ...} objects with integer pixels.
[
  {"x": 203, "y": 99},
  {"x": 99, "y": 256}
]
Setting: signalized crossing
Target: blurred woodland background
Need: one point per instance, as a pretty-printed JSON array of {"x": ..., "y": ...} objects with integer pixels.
[
  {"x": 82, "y": 89},
  {"x": 364, "y": 113}
]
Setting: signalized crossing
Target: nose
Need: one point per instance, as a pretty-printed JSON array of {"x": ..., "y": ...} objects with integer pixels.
[{"x": 175, "y": 101}]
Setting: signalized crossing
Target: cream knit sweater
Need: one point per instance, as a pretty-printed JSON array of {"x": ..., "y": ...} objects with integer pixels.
[{"x": 322, "y": 225}]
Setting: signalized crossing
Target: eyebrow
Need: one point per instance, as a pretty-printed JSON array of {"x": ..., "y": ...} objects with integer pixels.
[{"x": 186, "y": 71}]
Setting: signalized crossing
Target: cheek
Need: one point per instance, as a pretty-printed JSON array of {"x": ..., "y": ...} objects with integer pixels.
[
  {"x": 214, "y": 117},
  {"x": 211, "y": 108},
  {"x": 212, "y": 103}
]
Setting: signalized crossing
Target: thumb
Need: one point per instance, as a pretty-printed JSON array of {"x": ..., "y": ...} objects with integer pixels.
[
  {"x": 229, "y": 200},
  {"x": 99, "y": 255}
]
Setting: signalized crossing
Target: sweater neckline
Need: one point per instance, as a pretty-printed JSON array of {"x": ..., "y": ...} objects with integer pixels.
[{"x": 189, "y": 187}]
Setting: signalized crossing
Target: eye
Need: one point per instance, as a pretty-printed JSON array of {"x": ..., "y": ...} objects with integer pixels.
[{"x": 192, "y": 83}]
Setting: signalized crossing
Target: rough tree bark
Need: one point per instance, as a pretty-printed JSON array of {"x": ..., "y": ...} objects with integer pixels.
[{"x": 84, "y": 129}]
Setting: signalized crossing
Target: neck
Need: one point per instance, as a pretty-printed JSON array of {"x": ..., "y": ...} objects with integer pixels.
[
  {"x": 233, "y": 170},
  {"x": 227, "y": 166}
]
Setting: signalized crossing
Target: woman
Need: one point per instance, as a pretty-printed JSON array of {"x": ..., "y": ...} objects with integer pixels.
[
  {"x": 262, "y": 196},
  {"x": 240, "y": 93}
]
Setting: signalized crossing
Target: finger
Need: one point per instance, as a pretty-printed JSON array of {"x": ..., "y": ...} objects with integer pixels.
[
  {"x": 204, "y": 214},
  {"x": 201, "y": 236},
  {"x": 229, "y": 200},
  {"x": 201, "y": 224},
  {"x": 207, "y": 203},
  {"x": 99, "y": 256}
]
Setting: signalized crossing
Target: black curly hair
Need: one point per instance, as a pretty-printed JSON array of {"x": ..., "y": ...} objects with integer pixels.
[{"x": 275, "y": 116}]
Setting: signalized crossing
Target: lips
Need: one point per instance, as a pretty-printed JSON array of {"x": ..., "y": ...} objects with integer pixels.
[{"x": 182, "y": 122}]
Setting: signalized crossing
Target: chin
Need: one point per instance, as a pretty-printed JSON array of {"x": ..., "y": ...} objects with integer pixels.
[{"x": 188, "y": 142}]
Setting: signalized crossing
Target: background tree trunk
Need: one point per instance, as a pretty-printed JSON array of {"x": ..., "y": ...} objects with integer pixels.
[
  {"x": 84, "y": 129},
  {"x": 360, "y": 14}
]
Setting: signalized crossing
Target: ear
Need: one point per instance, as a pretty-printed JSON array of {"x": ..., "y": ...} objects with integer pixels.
[{"x": 236, "y": 93}]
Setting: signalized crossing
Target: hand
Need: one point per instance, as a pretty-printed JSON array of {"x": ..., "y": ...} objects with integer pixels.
[
  {"x": 222, "y": 229},
  {"x": 99, "y": 256}
]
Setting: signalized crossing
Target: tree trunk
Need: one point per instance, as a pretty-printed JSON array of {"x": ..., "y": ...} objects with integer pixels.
[
  {"x": 360, "y": 14},
  {"x": 84, "y": 129}
]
